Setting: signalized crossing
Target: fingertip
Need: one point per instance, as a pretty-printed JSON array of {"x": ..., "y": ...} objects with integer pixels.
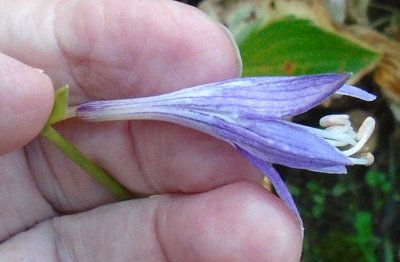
[
  {"x": 238, "y": 222},
  {"x": 195, "y": 49},
  {"x": 26, "y": 97},
  {"x": 209, "y": 46},
  {"x": 143, "y": 47},
  {"x": 236, "y": 50}
]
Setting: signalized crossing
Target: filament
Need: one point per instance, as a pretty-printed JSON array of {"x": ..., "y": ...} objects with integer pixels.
[{"x": 339, "y": 133}]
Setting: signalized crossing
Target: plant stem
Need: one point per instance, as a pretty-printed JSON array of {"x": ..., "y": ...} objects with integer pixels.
[{"x": 85, "y": 163}]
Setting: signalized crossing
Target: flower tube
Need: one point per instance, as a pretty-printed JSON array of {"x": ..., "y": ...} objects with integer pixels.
[{"x": 252, "y": 114}]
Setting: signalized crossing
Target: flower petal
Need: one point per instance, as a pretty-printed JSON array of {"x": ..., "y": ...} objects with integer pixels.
[
  {"x": 262, "y": 97},
  {"x": 355, "y": 92},
  {"x": 275, "y": 141},
  {"x": 285, "y": 143},
  {"x": 276, "y": 181},
  {"x": 252, "y": 98}
]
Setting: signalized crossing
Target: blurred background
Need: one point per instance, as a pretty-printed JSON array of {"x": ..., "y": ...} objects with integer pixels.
[{"x": 353, "y": 217}]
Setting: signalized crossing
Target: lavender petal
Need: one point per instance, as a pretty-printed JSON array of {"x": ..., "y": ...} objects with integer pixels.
[
  {"x": 285, "y": 143},
  {"x": 355, "y": 92},
  {"x": 251, "y": 98},
  {"x": 275, "y": 141},
  {"x": 261, "y": 97},
  {"x": 276, "y": 181}
]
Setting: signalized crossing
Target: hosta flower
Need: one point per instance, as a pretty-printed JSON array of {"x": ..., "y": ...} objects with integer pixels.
[{"x": 251, "y": 114}]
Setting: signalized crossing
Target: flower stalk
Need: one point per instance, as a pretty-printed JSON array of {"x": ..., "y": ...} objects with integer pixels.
[
  {"x": 61, "y": 112},
  {"x": 86, "y": 164}
]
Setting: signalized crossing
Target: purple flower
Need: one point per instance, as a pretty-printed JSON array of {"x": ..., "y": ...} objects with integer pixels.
[{"x": 251, "y": 115}]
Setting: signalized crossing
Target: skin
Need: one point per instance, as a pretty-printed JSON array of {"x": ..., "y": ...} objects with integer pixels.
[{"x": 210, "y": 206}]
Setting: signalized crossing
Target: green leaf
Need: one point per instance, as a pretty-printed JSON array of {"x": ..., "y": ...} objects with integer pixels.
[
  {"x": 293, "y": 46},
  {"x": 60, "y": 106},
  {"x": 339, "y": 189},
  {"x": 363, "y": 226},
  {"x": 365, "y": 238},
  {"x": 379, "y": 180}
]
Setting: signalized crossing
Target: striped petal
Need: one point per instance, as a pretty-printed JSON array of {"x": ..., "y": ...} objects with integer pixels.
[
  {"x": 275, "y": 141},
  {"x": 276, "y": 180},
  {"x": 251, "y": 98}
]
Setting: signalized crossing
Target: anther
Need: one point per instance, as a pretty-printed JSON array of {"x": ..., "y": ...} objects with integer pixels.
[
  {"x": 334, "y": 120},
  {"x": 365, "y": 159},
  {"x": 366, "y": 128},
  {"x": 363, "y": 134},
  {"x": 339, "y": 133}
]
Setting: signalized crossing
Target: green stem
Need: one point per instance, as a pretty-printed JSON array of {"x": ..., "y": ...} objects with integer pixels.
[{"x": 86, "y": 164}]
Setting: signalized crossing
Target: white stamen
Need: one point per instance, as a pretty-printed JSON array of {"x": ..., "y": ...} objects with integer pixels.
[
  {"x": 336, "y": 143},
  {"x": 363, "y": 134},
  {"x": 366, "y": 128},
  {"x": 339, "y": 129},
  {"x": 365, "y": 159},
  {"x": 334, "y": 120},
  {"x": 339, "y": 133}
]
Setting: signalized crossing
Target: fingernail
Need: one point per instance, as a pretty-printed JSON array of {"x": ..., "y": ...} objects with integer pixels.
[
  {"x": 236, "y": 49},
  {"x": 41, "y": 71}
]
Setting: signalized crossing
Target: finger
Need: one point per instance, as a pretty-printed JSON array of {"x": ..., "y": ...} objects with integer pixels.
[
  {"x": 21, "y": 204},
  {"x": 239, "y": 222},
  {"x": 106, "y": 49},
  {"x": 26, "y": 100},
  {"x": 149, "y": 47}
]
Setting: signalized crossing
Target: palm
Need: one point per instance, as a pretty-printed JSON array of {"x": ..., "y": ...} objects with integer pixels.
[{"x": 106, "y": 51}]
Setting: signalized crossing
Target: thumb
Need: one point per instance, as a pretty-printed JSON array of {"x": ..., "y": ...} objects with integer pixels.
[{"x": 26, "y": 100}]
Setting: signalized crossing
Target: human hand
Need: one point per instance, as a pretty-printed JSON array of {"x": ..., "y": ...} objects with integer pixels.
[{"x": 209, "y": 207}]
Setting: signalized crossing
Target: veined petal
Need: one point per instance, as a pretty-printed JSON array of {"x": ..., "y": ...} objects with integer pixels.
[
  {"x": 352, "y": 91},
  {"x": 289, "y": 144},
  {"x": 340, "y": 169},
  {"x": 266, "y": 97},
  {"x": 275, "y": 141},
  {"x": 276, "y": 181},
  {"x": 251, "y": 98}
]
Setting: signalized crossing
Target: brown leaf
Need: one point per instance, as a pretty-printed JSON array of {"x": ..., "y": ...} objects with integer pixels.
[
  {"x": 387, "y": 71},
  {"x": 241, "y": 16}
]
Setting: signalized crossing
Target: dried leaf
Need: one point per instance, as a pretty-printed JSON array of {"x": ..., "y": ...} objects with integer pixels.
[
  {"x": 337, "y": 9},
  {"x": 387, "y": 72},
  {"x": 243, "y": 16},
  {"x": 355, "y": 11}
]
